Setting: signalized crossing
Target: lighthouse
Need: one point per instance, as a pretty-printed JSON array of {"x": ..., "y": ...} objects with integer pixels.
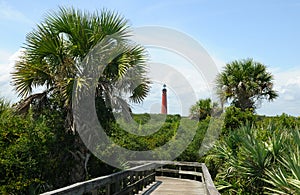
[{"x": 164, "y": 108}]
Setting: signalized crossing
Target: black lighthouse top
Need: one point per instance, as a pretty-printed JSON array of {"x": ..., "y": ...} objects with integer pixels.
[{"x": 164, "y": 89}]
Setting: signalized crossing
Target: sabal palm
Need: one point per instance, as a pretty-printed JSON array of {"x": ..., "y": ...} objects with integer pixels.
[
  {"x": 245, "y": 82},
  {"x": 285, "y": 179},
  {"x": 55, "y": 48},
  {"x": 246, "y": 161},
  {"x": 203, "y": 108},
  {"x": 267, "y": 164}
]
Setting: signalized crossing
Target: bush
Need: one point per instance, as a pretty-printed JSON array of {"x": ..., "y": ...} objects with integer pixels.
[
  {"x": 257, "y": 160},
  {"x": 235, "y": 118},
  {"x": 23, "y": 147}
]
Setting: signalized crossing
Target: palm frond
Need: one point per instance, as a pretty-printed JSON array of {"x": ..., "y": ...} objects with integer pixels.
[{"x": 278, "y": 178}]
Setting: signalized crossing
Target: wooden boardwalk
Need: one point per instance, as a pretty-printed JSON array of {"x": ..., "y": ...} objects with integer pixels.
[
  {"x": 150, "y": 178},
  {"x": 176, "y": 186}
]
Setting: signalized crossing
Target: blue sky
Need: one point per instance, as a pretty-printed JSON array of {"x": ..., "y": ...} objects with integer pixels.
[{"x": 267, "y": 31}]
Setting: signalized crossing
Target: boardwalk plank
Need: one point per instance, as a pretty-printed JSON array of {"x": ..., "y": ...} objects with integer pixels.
[{"x": 176, "y": 186}]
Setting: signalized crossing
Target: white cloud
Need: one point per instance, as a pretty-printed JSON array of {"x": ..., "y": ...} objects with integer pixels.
[
  {"x": 4, "y": 56},
  {"x": 287, "y": 83},
  {"x": 7, "y": 61}
]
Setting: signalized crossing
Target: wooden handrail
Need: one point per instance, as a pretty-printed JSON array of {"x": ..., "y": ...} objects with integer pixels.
[
  {"x": 210, "y": 186},
  {"x": 125, "y": 182},
  {"x": 181, "y": 163}
]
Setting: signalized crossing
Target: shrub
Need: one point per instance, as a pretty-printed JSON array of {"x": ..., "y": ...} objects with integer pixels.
[{"x": 235, "y": 118}]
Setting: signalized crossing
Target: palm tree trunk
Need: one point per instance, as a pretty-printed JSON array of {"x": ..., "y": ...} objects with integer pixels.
[{"x": 79, "y": 171}]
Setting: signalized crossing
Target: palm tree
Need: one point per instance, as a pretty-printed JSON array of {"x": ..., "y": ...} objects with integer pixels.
[
  {"x": 203, "y": 108},
  {"x": 55, "y": 48},
  {"x": 52, "y": 58},
  {"x": 245, "y": 83}
]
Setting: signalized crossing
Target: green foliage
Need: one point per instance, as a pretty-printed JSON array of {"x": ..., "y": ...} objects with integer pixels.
[
  {"x": 143, "y": 118},
  {"x": 191, "y": 153},
  {"x": 150, "y": 131},
  {"x": 24, "y": 143},
  {"x": 164, "y": 130},
  {"x": 235, "y": 118},
  {"x": 288, "y": 121},
  {"x": 36, "y": 151},
  {"x": 258, "y": 159}
]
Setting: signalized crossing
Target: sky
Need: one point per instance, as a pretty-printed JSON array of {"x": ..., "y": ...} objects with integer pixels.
[{"x": 267, "y": 31}]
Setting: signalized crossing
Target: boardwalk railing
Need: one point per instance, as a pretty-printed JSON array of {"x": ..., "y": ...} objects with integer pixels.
[
  {"x": 141, "y": 174},
  {"x": 188, "y": 170},
  {"x": 210, "y": 186},
  {"x": 130, "y": 181}
]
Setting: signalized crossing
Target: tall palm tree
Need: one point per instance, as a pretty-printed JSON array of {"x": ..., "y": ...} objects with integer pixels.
[
  {"x": 52, "y": 58},
  {"x": 55, "y": 48},
  {"x": 245, "y": 83}
]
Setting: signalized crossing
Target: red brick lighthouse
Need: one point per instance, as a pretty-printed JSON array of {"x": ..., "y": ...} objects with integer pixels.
[{"x": 164, "y": 108}]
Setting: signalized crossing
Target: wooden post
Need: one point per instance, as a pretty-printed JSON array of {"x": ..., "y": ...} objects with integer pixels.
[
  {"x": 117, "y": 186},
  {"x": 136, "y": 188},
  {"x": 146, "y": 179},
  {"x": 107, "y": 189},
  {"x": 94, "y": 192},
  {"x": 142, "y": 182},
  {"x": 179, "y": 171},
  {"x": 131, "y": 181}
]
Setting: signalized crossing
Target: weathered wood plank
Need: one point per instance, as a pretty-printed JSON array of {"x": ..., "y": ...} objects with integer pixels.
[
  {"x": 176, "y": 186},
  {"x": 211, "y": 189},
  {"x": 190, "y": 173}
]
